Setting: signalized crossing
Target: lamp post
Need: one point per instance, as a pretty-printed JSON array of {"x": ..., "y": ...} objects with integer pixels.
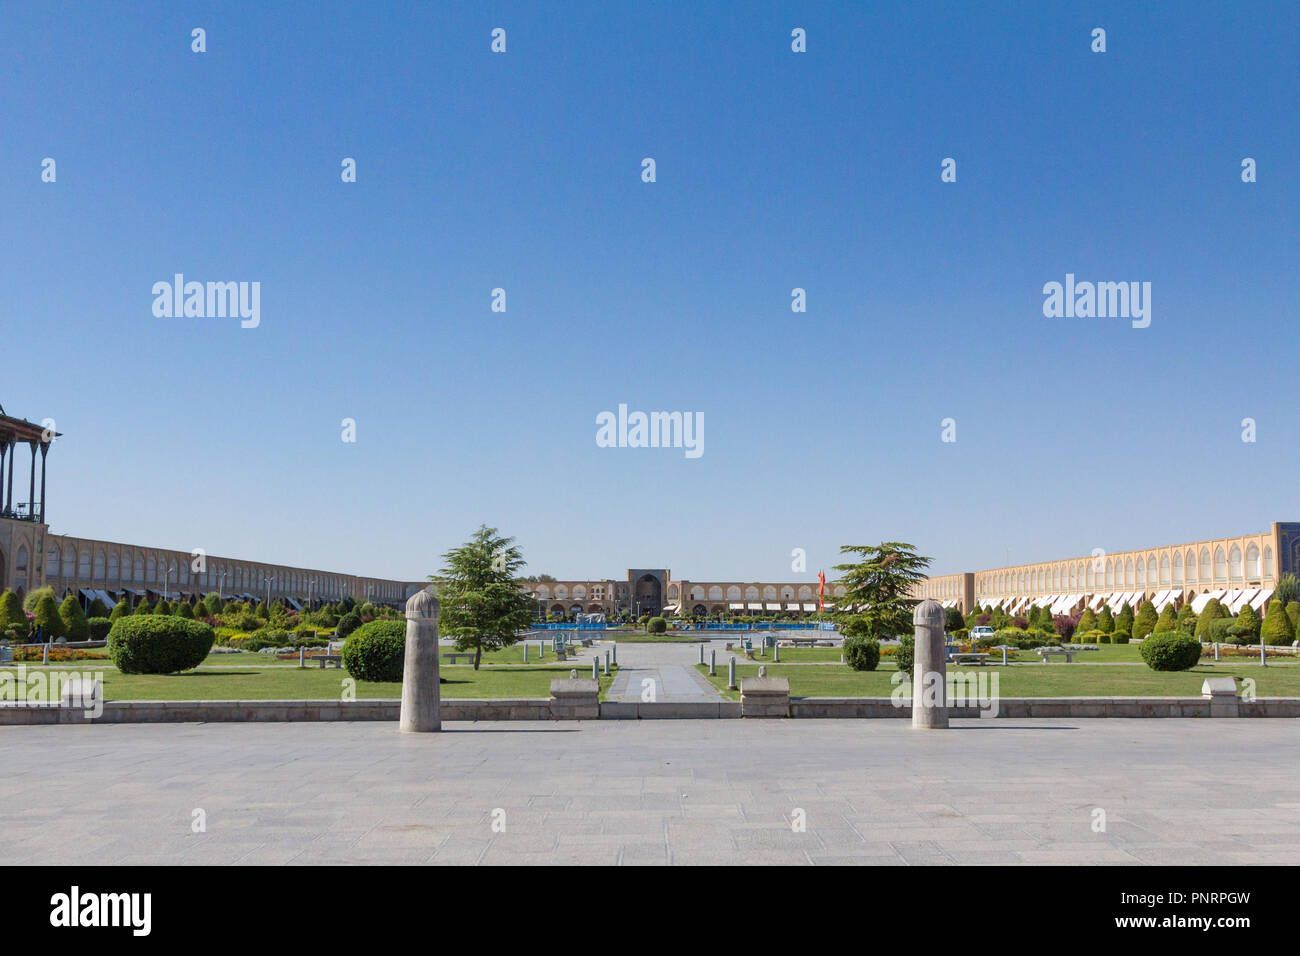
[
  {"x": 267, "y": 579},
  {"x": 167, "y": 577}
]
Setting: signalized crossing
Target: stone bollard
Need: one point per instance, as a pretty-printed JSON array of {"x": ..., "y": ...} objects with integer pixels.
[
  {"x": 731, "y": 674},
  {"x": 929, "y": 674},
  {"x": 713, "y": 662},
  {"x": 607, "y": 663},
  {"x": 762, "y": 670},
  {"x": 701, "y": 653},
  {"x": 1216, "y": 650},
  {"x": 595, "y": 668},
  {"x": 615, "y": 649},
  {"x": 776, "y": 652},
  {"x": 45, "y": 654},
  {"x": 573, "y": 674},
  {"x": 525, "y": 652},
  {"x": 421, "y": 695},
  {"x": 302, "y": 657}
]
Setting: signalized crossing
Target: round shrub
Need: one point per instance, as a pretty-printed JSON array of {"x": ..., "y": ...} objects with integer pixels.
[
  {"x": 905, "y": 654},
  {"x": 152, "y": 644},
  {"x": 1171, "y": 651},
  {"x": 376, "y": 651},
  {"x": 861, "y": 653},
  {"x": 99, "y": 628},
  {"x": 348, "y": 623},
  {"x": 656, "y": 625}
]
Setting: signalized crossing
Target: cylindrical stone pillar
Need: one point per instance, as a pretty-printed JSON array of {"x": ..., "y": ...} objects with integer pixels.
[
  {"x": 929, "y": 673},
  {"x": 615, "y": 649},
  {"x": 731, "y": 674},
  {"x": 713, "y": 662},
  {"x": 421, "y": 696}
]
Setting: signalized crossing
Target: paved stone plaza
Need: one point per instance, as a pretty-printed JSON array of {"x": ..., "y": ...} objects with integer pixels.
[{"x": 684, "y": 792}]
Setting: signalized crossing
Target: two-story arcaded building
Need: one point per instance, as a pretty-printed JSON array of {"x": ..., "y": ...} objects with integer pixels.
[{"x": 1237, "y": 570}]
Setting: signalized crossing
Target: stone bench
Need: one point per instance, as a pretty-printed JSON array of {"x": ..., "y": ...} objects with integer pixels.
[
  {"x": 968, "y": 657},
  {"x": 1066, "y": 652},
  {"x": 764, "y": 697},
  {"x": 335, "y": 659},
  {"x": 575, "y": 698},
  {"x": 453, "y": 658}
]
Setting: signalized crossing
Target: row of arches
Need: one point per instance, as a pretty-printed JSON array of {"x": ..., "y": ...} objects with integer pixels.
[{"x": 1230, "y": 564}]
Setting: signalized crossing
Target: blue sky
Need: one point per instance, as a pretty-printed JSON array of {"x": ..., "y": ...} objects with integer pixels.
[{"x": 775, "y": 170}]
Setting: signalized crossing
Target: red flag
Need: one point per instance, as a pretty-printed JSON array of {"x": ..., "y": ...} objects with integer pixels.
[{"x": 821, "y": 589}]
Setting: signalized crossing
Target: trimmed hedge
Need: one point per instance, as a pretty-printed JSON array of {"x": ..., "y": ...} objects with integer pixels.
[
  {"x": 99, "y": 628},
  {"x": 656, "y": 625},
  {"x": 376, "y": 651},
  {"x": 861, "y": 653},
  {"x": 1171, "y": 651},
  {"x": 905, "y": 654},
  {"x": 154, "y": 644}
]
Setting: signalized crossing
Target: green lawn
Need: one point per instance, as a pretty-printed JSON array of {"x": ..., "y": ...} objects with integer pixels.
[
  {"x": 1030, "y": 680},
  {"x": 291, "y": 683}
]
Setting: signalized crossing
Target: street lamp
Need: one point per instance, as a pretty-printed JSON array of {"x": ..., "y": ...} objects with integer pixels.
[
  {"x": 167, "y": 577},
  {"x": 267, "y": 581}
]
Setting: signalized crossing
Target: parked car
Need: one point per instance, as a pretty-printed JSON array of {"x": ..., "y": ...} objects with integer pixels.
[{"x": 980, "y": 632}]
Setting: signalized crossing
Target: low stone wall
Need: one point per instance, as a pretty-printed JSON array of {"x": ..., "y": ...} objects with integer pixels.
[
  {"x": 217, "y": 711},
  {"x": 668, "y": 710}
]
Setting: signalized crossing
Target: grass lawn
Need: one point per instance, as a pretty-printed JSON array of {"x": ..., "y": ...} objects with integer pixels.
[
  {"x": 1029, "y": 680},
  {"x": 291, "y": 683}
]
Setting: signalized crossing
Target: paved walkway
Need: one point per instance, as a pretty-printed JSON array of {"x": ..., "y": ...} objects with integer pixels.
[
  {"x": 669, "y": 667},
  {"x": 654, "y": 791}
]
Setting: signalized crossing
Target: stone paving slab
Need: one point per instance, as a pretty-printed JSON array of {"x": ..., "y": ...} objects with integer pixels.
[{"x": 679, "y": 792}]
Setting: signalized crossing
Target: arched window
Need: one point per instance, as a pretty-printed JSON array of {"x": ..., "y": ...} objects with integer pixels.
[
  {"x": 1089, "y": 578},
  {"x": 1220, "y": 565},
  {"x": 1235, "y": 568},
  {"x": 1268, "y": 561},
  {"x": 22, "y": 558},
  {"x": 139, "y": 568},
  {"x": 1141, "y": 571},
  {"x": 151, "y": 570},
  {"x": 69, "y": 561},
  {"x": 751, "y": 592},
  {"x": 1110, "y": 574},
  {"x": 1178, "y": 567},
  {"x": 1128, "y": 573},
  {"x": 112, "y": 565},
  {"x": 52, "y": 561},
  {"x": 1206, "y": 571},
  {"x": 715, "y": 592},
  {"x": 99, "y": 565}
]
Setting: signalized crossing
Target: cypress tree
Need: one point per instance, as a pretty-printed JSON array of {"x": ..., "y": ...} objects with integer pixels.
[
  {"x": 75, "y": 627},
  {"x": 47, "y": 618},
  {"x": 184, "y": 610},
  {"x": 1145, "y": 621},
  {"x": 1187, "y": 618},
  {"x": 1293, "y": 612},
  {"x": 1124, "y": 623},
  {"x": 1276, "y": 628},
  {"x": 1105, "y": 620},
  {"x": 1246, "y": 625},
  {"x": 1087, "y": 621},
  {"x": 120, "y": 610},
  {"x": 1168, "y": 620},
  {"x": 1212, "y": 611},
  {"x": 143, "y": 607},
  {"x": 11, "y": 611}
]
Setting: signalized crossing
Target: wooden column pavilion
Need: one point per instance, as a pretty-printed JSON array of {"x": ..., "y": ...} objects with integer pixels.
[{"x": 15, "y": 432}]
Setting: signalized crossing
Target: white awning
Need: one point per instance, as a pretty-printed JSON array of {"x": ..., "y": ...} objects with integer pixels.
[
  {"x": 752, "y": 606},
  {"x": 670, "y": 609},
  {"x": 793, "y": 607},
  {"x": 108, "y": 601},
  {"x": 1260, "y": 599},
  {"x": 1199, "y": 602},
  {"x": 810, "y": 607},
  {"x": 736, "y": 606},
  {"x": 1243, "y": 599},
  {"x": 773, "y": 607}
]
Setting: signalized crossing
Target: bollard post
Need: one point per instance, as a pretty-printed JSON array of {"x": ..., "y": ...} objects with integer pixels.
[
  {"x": 615, "y": 648},
  {"x": 776, "y": 652},
  {"x": 595, "y": 668},
  {"x": 525, "y": 652},
  {"x": 713, "y": 662},
  {"x": 701, "y": 653},
  {"x": 731, "y": 674},
  {"x": 1216, "y": 650},
  {"x": 607, "y": 663},
  {"x": 45, "y": 654},
  {"x": 929, "y": 675},
  {"x": 421, "y": 695},
  {"x": 302, "y": 657}
]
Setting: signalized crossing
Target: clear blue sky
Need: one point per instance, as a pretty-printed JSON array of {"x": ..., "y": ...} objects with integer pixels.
[{"x": 775, "y": 170}]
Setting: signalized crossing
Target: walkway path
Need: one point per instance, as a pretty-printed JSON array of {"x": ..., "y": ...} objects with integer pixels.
[{"x": 670, "y": 666}]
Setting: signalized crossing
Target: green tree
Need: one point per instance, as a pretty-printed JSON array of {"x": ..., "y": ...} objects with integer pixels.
[
  {"x": 1211, "y": 612},
  {"x": 75, "y": 627},
  {"x": 143, "y": 607},
  {"x": 164, "y": 607},
  {"x": 1168, "y": 620},
  {"x": 1187, "y": 618},
  {"x": 97, "y": 609},
  {"x": 184, "y": 610},
  {"x": 1124, "y": 622},
  {"x": 881, "y": 581},
  {"x": 1087, "y": 622},
  {"x": 1287, "y": 589},
  {"x": 11, "y": 611},
  {"x": 1276, "y": 628},
  {"x": 1045, "y": 622},
  {"x": 47, "y": 618},
  {"x": 1106, "y": 620},
  {"x": 1031, "y": 619},
  {"x": 120, "y": 610},
  {"x": 1293, "y": 612},
  {"x": 1144, "y": 622},
  {"x": 33, "y": 598},
  {"x": 953, "y": 620},
  {"x": 1246, "y": 627},
  {"x": 482, "y": 605}
]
